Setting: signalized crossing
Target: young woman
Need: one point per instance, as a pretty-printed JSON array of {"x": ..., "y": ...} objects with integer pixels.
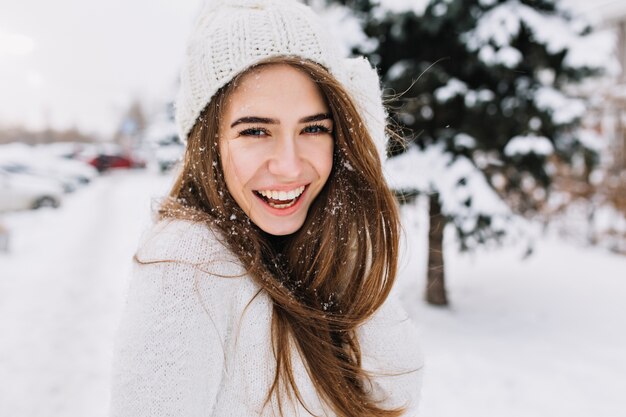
[{"x": 262, "y": 289}]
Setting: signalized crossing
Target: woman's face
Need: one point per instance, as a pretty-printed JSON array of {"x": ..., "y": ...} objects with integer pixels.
[{"x": 276, "y": 146}]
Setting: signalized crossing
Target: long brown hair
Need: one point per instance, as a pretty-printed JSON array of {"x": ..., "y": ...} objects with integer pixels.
[{"x": 328, "y": 277}]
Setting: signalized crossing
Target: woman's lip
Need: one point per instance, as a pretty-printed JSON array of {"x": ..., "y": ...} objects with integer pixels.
[
  {"x": 283, "y": 211},
  {"x": 283, "y": 187}
]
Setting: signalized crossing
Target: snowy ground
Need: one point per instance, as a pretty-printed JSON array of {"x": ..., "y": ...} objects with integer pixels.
[{"x": 534, "y": 338}]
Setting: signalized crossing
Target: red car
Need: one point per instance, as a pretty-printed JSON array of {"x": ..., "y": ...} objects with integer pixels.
[{"x": 104, "y": 162}]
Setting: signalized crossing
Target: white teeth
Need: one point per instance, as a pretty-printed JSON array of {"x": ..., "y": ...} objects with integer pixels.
[
  {"x": 282, "y": 206},
  {"x": 282, "y": 195}
]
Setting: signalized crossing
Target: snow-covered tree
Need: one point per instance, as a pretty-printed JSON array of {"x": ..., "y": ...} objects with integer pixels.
[{"x": 483, "y": 96}]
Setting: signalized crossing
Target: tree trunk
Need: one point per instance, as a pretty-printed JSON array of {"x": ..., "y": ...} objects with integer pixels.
[{"x": 435, "y": 284}]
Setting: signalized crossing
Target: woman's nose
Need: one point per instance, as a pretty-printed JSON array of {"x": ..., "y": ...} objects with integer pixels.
[{"x": 286, "y": 160}]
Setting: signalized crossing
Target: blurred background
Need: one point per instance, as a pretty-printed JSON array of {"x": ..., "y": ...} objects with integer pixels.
[{"x": 511, "y": 176}]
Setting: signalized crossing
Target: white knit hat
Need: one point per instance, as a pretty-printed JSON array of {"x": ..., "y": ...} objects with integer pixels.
[{"x": 230, "y": 36}]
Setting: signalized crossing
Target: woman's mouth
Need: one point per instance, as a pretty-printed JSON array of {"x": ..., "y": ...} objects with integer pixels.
[{"x": 281, "y": 199}]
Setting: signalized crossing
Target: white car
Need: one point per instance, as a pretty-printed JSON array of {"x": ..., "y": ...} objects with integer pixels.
[
  {"x": 67, "y": 184},
  {"x": 20, "y": 158},
  {"x": 22, "y": 192},
  {"x": 74, "y": 170},
  {"x": 167, "y": 148}
]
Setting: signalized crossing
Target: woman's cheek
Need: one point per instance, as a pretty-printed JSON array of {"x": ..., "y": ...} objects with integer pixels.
[
  {"x": 322, "y": 157},
  {"x": 246, "y": 161}
]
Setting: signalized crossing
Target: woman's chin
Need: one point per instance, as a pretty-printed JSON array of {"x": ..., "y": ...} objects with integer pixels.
[{"x": 280, "y": 227}]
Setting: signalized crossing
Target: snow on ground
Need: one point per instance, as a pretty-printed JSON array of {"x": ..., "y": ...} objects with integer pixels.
[
  {"x": 61, "y": 294},
  {"x": 534, "y": 338},
  {"x": 537, "y": 338}
]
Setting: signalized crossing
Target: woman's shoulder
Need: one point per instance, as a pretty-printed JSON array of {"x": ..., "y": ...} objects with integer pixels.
[
  {"x": 179, "y": 261},
  {"x": 184, "y": 241}
]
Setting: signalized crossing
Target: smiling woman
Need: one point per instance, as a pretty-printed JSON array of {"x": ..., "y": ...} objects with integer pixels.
[
  {"x": 263, "y": 288},
  {"x": 276, "y": 146}
]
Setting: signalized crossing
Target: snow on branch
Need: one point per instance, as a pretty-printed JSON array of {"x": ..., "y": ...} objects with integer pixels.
[
  {"x": 593, "y": 51},
  {"x": 506, "y": 55},
  {"x": 563, "y": 109},
  {"x": 401, "y": 6},
  {"x": 399, "y": 69},
  {"x": 455, "y": 87},
  {"x": 499, "y": 26},
  {"x": 524, "y": 145},
  {"x": 347, "y": 29},
  {"x": 591, "y": 140},
  {"x": 463, "y": 190}
]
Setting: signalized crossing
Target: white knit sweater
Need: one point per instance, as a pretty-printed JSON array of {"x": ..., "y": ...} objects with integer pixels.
[{"x": 192, "y": 343}]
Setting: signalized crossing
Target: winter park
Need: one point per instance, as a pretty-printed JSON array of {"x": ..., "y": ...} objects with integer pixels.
[{"x": 506, "y": 155}]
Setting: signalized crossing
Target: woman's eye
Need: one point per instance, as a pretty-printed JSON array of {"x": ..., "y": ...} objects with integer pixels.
[
  {"x": 316, "y": 129},
  {"x": 254, "y": 131}
]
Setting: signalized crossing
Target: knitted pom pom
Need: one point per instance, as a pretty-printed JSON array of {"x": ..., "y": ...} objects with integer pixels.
[{"x": 363, "y": 85}]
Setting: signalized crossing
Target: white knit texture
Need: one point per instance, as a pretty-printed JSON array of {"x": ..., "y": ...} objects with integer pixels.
[
  {"x": 363, "y": 84},
  {"x": 195, "y": 338},
  {"x": 231, "y": 36}
]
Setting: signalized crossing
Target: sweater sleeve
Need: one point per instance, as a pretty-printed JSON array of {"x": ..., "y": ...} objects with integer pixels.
[
  {"x": 170, "y": 356},
  {"x": 392, "y": 355}
]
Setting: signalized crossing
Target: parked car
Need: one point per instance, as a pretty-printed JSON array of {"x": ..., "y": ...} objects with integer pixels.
[
  {"x": 162, "y": 138},
  {"x": 105, "y": 162},
  {"x": 23, "y": 192},
  {"x": 65, "y": 150},
  {"x": 167, "y": 156},
  {"x": 38, "y": 161},
  {"x": 68, "y": 184},
  {"x": 76, "y": 170},
  {"x": 4, "y": 238}
]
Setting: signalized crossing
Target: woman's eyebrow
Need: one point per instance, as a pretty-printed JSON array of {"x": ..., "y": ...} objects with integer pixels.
[
  {"x": 255, "y": 119},
  {"x": 268, "y": 121},
  {"x": 315, "y": 118}
]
